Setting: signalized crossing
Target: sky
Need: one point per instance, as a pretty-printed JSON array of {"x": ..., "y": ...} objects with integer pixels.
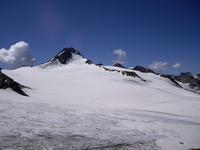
[{"x": 163, "y": 35}]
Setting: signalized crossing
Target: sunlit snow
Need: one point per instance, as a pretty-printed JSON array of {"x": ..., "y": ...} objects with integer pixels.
[{"x": 80, "y": 106}]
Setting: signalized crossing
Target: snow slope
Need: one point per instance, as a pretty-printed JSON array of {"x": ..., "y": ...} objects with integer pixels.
[{"x": 81, "y": 106}]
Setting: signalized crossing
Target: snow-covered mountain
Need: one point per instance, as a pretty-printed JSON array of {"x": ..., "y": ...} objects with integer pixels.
[
  {"x": 75, "y": 104},
  {"x": 189, "y": 80},
  {"x": 186, "y": 80},
  {"x": 67, "y": 55}
]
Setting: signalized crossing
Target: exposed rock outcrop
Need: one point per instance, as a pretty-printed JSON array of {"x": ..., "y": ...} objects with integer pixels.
[
  {"x": 171, "y": 79},
  {"x": 7, "y": 82},
  {"x": 99, "y": 64},
  {"x": 118, "y": 65},
  {"x": 142, "y": 69},
  {"x": 188, "y": 78},
  {"x": 88, "y": 62}
]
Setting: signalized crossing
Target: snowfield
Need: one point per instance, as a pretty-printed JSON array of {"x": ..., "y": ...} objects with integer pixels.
[{"x": 83, "y": 107}]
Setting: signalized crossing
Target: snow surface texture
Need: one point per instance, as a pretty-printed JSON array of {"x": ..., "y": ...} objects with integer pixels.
[{"x": 79, "y": 106}]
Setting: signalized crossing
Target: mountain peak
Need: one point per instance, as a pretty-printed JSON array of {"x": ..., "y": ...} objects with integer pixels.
[
  {"x": 142, "y": 69},
  {"x": 65, "y": 55},
  {"x": 118, "y": 65}
]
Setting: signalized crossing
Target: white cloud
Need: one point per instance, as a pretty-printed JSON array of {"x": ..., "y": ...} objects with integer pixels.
[
  {"x": 16, "y": 56},
  {"x": 176, "y": 65},
  {"x": 121, "y": 56},
  {"x": 158, "y": 66}
]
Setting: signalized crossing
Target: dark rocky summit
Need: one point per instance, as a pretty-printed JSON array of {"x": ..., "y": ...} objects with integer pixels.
[
  {"x": 7, "y": 82},
  {"x": 118, "y": 65},
  {"x": 65, "y": 55},
  {"x": 188, "y": 78},
  {"x": 142, "y": 69}
]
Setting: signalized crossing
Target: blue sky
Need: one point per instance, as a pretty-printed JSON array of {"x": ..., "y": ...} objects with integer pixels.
[{"x": 147, "y": 31}]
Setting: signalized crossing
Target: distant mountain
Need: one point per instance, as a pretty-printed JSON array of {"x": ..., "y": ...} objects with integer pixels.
[
  {"x": 99, "y": 64},
  {"x": 186, "y": 80},
  {"x": 189, "y": 79},
  {"x": 118, "y": 65},
  {"x": 142, "y": 69}
]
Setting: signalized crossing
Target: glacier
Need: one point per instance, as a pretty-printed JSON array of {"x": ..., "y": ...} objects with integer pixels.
[{"x": 77, "y": 106}]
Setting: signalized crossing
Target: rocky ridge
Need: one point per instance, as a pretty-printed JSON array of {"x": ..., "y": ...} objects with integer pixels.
[{"x": 7, "y": 82}]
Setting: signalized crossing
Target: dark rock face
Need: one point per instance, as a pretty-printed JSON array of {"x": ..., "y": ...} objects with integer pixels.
[
  {"x": 142, "y": 69},
  {"x": 100, "y": 64},
  {"x": 88, "y": 61},
  {"x": 125, "y": 73},
  {"x": 171, "y": 79},
  {"x": 132, "y": 74},
  {"x": 106, "y": 69},
  {"x": 188, "y": 78},
  {"x": 118, "y": 65},
  {"x": 198, "y": 76},
  {"x": 65, "y": 55},
  {"x": 7, "y": 82}
]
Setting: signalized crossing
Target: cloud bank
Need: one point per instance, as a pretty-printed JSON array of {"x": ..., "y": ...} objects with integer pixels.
[
  {"x": 16, "y": 56},
  {"x": 158, "y": 66},
  {"x": 176, "y": 65},
  {"x": 121, "y": 56}
]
